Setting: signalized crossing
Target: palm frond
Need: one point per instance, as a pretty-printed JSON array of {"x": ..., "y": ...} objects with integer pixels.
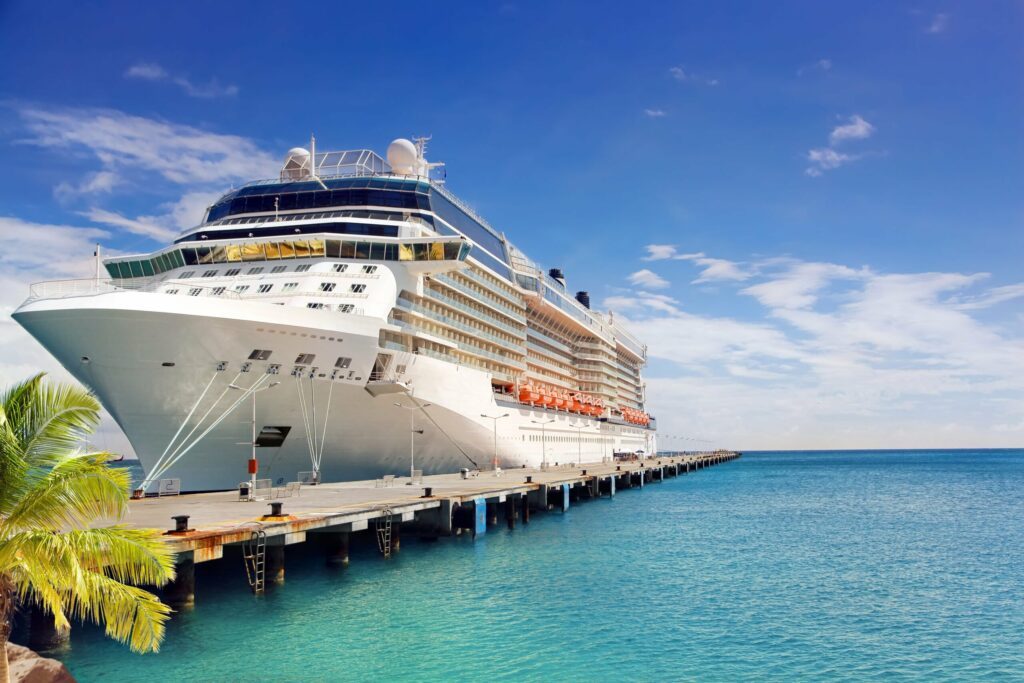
[{"x": 77, "y": 489}]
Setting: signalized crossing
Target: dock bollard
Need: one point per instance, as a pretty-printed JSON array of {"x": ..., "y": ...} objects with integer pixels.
[
  {"x": 275, "y": 509},
  {"x": 529, "y": 480},
  {"x": 428, "y": 491},
  {"x": 180, "y": 524}
]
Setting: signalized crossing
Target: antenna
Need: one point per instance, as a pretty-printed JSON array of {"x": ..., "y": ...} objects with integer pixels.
[
  {"x": 421, "y": 152},
  {"x": 97, "y": 255},
  {"x": 312, "y": 161}
]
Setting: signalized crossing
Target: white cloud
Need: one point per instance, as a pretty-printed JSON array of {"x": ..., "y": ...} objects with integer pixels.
[
  {"x": 124, "y": 143},
  {"x": 843, "y": 357},
  {"x": 147, "y": 72},
  {"x": 35, "y": 252},
  {"x": 992, "y": 297},
  {"x": 939, "y": 23},
  {"x": 680, "y": 74},
  {"x": 642, "y": 301},
  {"x": 147, "y": 226},
  {"x": 657, "y": 252},
  {"x": 649, "y": 279},
  {"x": 825, "y": 159},
  {"x": 715, "y": 269},
  {"x": 798, "y": 287},
  {"x": 155, "y": 72},
  {"x": 655, "y": 113},
  {"x": 856, "y": 129},
  {"x": 822, "y": 65},
  {"x": 101, "y": 182}
]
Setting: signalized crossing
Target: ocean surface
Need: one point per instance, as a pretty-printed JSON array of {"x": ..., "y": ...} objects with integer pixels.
[{"x": 894, "y": 565}]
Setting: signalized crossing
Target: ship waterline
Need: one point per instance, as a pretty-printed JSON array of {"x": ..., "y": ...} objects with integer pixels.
[{"x": 343, "y": 340}]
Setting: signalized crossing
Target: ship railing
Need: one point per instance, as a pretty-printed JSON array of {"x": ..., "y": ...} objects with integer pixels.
[{"x": 63, "y": 289}]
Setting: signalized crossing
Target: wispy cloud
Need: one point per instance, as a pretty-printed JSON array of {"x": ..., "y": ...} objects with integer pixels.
[
  {"x": 989, "y": 298},
  {"x": 681, "y": 75},
  {"x": 649, "y": 279},
  {"x": 856, "y": 129},
  {"x": 154, "y": 72},
  {"x": 100, "y": 182},
  {"x": 843, "y": 355},
  {"x": 714, "y": 269},
  {"x": 655, "y": 113},
  {"x": 121, "y": 142},
  {"x": 147, "y": 226},
  {"x": 938, "y": 24},
  {"x": 657, "y": 252},
  {"x": 823, "y": 159},
  {"x": 820, "y": 66}
]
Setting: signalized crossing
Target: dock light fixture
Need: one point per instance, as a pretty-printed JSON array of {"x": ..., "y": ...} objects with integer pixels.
[
  {"x": 543, "y": 441},
  {"x": 412, "y": 433},
  {"x": 253, "y": 466},
  {"x": 579, "y": 427},
  {"x": 497, "y": 470}
]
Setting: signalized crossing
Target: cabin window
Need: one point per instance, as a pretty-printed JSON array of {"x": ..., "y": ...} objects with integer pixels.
[
  {"x": 210, "y": 273},
  {"x": 303, "y": 268},
  {"x": 260, "y": 354},
  {"x": 343, "y": 362},
  {"x": 305, "y": 358},
  {"x": 278, "y": 269},
  {"x": 289, "y": 286},
  {"x": 230, "y": 272},
  {"x": 326, "y": 286},
  {"x": 358, "y": 288},
  {"x": 263, "y": 289},
  {"x": 340, "y": 267}
]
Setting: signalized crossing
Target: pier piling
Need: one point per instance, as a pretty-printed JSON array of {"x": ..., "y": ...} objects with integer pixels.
[{"x": 180, "y": 594}]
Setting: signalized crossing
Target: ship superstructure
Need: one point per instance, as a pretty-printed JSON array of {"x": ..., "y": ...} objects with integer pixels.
[{"x": 348, "y": 302}]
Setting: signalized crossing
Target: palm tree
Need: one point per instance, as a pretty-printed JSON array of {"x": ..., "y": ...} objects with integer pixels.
[{"x": 53, "y": 496}]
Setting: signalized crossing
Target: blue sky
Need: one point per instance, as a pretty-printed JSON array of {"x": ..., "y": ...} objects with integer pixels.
[{"x": 812, "y": 212}]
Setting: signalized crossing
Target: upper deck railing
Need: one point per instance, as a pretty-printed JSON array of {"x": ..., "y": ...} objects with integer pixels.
[{"x": 64, "y": 289}]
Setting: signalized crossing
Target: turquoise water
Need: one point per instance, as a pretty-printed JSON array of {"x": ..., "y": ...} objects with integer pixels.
[{"x": 778, "y": 566}]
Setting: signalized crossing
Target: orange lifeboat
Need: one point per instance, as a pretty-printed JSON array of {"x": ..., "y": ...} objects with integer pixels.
[{"x": 527, "y": 394}]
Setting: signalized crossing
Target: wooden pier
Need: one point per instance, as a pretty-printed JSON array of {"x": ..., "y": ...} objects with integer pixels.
[{"x": 439, "y": 505}]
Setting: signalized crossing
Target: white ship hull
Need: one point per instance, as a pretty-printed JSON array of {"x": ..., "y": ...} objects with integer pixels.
[{"x": 120, "y": 344}]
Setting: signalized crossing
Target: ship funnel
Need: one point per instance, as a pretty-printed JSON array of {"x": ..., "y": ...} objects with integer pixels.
[
  {"x": 583, "y": 298},
  {"x": 557, "y": 276}
]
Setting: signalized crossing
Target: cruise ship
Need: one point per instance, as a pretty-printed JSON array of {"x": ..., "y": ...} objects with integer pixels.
[{"x": 349, "y": 319}]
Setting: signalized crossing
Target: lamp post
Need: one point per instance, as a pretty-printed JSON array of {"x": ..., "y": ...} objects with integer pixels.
[
  {"x": 543, "y": 441},
  {"x": 495, "y": 418},
  {"x": 579, "y": 427},
  {"x": 253, "y": 465},
  {"x": 412, "y": 433}
]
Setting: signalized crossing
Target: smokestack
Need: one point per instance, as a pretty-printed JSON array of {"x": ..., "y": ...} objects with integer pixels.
[
  {"x": 583, "y": 298},
  {"x": 556, "y": 275}
]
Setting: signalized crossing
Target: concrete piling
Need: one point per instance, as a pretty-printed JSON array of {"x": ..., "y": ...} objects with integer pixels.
[
  {"x": 274, "y": 567},
  {"x": 337, "y": 549},
  {"x": 180, "y": 594}
]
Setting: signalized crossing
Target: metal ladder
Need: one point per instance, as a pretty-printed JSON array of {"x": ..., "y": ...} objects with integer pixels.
[
  {"x": 254, "y": 552},
  {"x": 383, "y": 527}
]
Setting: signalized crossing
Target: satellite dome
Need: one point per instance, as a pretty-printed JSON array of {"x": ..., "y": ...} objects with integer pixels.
[
  {"x": 296, "y": 163},
  {"x": 403, "y": 157}
]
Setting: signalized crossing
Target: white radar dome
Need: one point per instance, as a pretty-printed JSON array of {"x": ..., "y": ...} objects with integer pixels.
[
  {"x": 296, "y": 164},
  {"x": 403, "y": 158}
]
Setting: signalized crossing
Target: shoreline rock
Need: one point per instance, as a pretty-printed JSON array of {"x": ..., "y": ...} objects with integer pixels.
[{"x": 29, "y": 667}]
